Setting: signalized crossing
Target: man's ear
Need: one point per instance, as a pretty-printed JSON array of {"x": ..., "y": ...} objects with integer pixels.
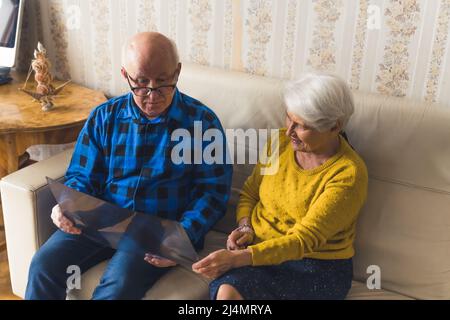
[
  {"x": 178, "y": 71},
  {"x": 123, "y": 73}
]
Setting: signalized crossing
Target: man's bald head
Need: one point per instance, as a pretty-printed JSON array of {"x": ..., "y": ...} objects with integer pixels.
[
  {"x": 150, "y": 60},
  {"x": 149, "y": 48}
]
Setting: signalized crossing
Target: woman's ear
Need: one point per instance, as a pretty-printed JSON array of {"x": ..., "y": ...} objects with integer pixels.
[{"x": 337, "y": 128}]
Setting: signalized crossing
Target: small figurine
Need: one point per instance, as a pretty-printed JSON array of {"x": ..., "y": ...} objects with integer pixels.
[{"x": 45, "y": 92}]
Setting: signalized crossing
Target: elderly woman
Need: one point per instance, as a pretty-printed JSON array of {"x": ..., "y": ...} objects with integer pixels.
[{"x": 297, "y": 227}]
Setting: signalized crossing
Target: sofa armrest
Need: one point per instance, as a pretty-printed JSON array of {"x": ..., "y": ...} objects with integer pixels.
[{"x": 27, "y": 203}]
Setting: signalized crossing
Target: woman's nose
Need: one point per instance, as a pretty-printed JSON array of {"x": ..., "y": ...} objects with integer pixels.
[{"x": 289, "y": 129}]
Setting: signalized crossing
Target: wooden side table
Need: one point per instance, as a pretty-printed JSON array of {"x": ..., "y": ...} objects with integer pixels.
[{"x": 23, "y": 123}]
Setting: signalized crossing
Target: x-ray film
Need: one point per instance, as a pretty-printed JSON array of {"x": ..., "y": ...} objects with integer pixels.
[{"x": 123, "y": 229}]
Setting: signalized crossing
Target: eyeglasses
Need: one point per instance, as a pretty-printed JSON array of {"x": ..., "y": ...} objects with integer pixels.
[{"x": 163, "y": 91}]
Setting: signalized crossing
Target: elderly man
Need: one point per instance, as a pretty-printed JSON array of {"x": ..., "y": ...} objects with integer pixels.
[{"x": 123, "y": 156}]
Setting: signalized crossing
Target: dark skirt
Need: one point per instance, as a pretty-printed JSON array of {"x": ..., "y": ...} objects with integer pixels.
[{"x": 306, "y": 279}]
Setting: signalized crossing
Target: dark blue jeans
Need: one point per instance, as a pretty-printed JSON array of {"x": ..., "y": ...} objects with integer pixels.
[{"x": 127, "y": 275}]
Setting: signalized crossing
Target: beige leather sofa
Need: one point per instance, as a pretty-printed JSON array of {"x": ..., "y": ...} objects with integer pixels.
[{"x": 404, "y": 228}]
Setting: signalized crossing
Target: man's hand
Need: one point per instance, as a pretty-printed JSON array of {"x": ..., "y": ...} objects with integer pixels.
[
  {"x": 62, "y": 222},
  {"x": 220, "y": 261},
  {"x": 240, "y": 238},
  {"x": 158, "y": 261}
]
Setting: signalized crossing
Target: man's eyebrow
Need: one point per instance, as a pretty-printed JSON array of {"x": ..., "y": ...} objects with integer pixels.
[
  {"x": 144, "y": 78},
  {"x": 141, "y": 78}
]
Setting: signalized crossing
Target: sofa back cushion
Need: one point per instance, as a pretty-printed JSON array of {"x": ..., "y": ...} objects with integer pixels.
[
  {"x": 241, "y": 101},
  {"x": 404, "y": 228}
]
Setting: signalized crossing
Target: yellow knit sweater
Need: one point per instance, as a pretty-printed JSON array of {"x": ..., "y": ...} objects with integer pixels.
[{"x": 300, "y": 213}]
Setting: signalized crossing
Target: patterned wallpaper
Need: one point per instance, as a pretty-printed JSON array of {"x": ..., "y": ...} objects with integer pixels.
[{"x": 393, "y": 47}]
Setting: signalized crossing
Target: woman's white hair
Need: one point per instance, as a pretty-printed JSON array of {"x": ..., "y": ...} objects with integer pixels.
[{"x": 320, "y": 99}]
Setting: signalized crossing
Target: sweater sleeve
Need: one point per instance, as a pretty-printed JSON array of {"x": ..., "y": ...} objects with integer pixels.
[{"x": 334, "y": 210}]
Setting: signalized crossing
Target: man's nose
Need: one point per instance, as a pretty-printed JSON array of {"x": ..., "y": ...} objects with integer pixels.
[{"x": 154, "y": 95}]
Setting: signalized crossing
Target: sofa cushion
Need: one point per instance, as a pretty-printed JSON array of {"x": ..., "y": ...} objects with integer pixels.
[
  {"x": 359, "y": 291},
  {"x": 405, "y": 230},
  {"x": 195, "y": 287},
  {"x": 404, "y": 227},
  {"x": 403, "y": 140},
  {"x": 240, "y": 100}
]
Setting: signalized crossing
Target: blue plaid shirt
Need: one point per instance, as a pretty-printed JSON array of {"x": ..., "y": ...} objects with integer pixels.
[{"x": 124, "y": 158}]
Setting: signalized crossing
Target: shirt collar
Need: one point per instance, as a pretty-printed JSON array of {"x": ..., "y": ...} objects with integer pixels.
[{"x": 173, "y": 113}]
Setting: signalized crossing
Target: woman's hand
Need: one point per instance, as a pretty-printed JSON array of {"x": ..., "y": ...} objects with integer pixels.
[
  {"x": 158, "y": 261},
  {"x": 240, "y": 238},
  {"x": 219, "y": 262}
]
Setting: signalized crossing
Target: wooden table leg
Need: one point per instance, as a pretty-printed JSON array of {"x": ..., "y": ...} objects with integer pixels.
[
  {"x": 8, "y": 154},
  {"x": 8, "y": 163}
]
